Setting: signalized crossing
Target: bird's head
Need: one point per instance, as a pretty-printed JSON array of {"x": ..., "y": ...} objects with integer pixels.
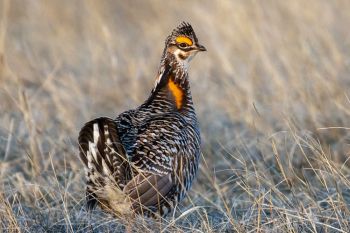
[{"x": 183, "y": 44}]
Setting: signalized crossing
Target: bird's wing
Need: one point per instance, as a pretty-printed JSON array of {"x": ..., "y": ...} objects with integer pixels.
[
  {"x": 147, "y": 191},
  {"x": 155, "y": 151}
]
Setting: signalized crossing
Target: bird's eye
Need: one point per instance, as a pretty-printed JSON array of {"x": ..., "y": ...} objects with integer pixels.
[{"x": 183, "y": 45}]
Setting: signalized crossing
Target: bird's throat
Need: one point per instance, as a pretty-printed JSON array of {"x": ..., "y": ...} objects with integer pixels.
[{"x": 177, "y": 92}]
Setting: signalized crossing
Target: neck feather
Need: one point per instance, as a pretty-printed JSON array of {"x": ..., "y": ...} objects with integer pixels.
[{"x": 171, "y": 89}]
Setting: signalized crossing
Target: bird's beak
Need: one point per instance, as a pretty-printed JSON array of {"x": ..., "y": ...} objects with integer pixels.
[{"x": 201, "y": 48}]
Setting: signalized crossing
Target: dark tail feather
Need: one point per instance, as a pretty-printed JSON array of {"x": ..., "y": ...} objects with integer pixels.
[{"x": 103, "y": 156}]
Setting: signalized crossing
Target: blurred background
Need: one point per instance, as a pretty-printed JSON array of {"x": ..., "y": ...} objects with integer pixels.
[{"x": 271, "y": 94}]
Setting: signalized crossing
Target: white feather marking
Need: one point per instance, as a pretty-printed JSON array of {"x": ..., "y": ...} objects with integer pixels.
[
  {"x": 184, "y": 63},
  {"x": 109, "y": 142},
  {"x": 106, "y": 170},
  {"x": 158, "y": 80},
  {"x": 89, "y": 158},
  {"x": 92, "y": 150},
  {"x": 106, "y": 132},
  {"x": 96, "y": 133}
]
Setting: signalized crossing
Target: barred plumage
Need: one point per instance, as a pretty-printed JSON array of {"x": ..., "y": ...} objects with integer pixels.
[{"x": 145, "y": 160}]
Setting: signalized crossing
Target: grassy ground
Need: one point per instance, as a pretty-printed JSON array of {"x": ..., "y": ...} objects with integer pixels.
[{"x": 271, "y": 93}]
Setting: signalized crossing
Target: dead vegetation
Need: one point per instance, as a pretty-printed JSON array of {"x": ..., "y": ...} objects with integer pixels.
[{"x": 271, "y": 93}]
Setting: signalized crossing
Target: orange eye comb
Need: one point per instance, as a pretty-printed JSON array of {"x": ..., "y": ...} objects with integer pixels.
[{"x": 184, "y": 39}]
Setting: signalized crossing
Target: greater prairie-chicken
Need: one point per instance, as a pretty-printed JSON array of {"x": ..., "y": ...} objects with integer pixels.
[{"x": 145, "y": 160}]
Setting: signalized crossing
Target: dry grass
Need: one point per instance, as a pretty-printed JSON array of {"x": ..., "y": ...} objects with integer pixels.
[{"x": 272, "y": 96}]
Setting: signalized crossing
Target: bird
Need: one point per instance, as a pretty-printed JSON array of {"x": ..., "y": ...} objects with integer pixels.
[{"x": 144, "y": 161}]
